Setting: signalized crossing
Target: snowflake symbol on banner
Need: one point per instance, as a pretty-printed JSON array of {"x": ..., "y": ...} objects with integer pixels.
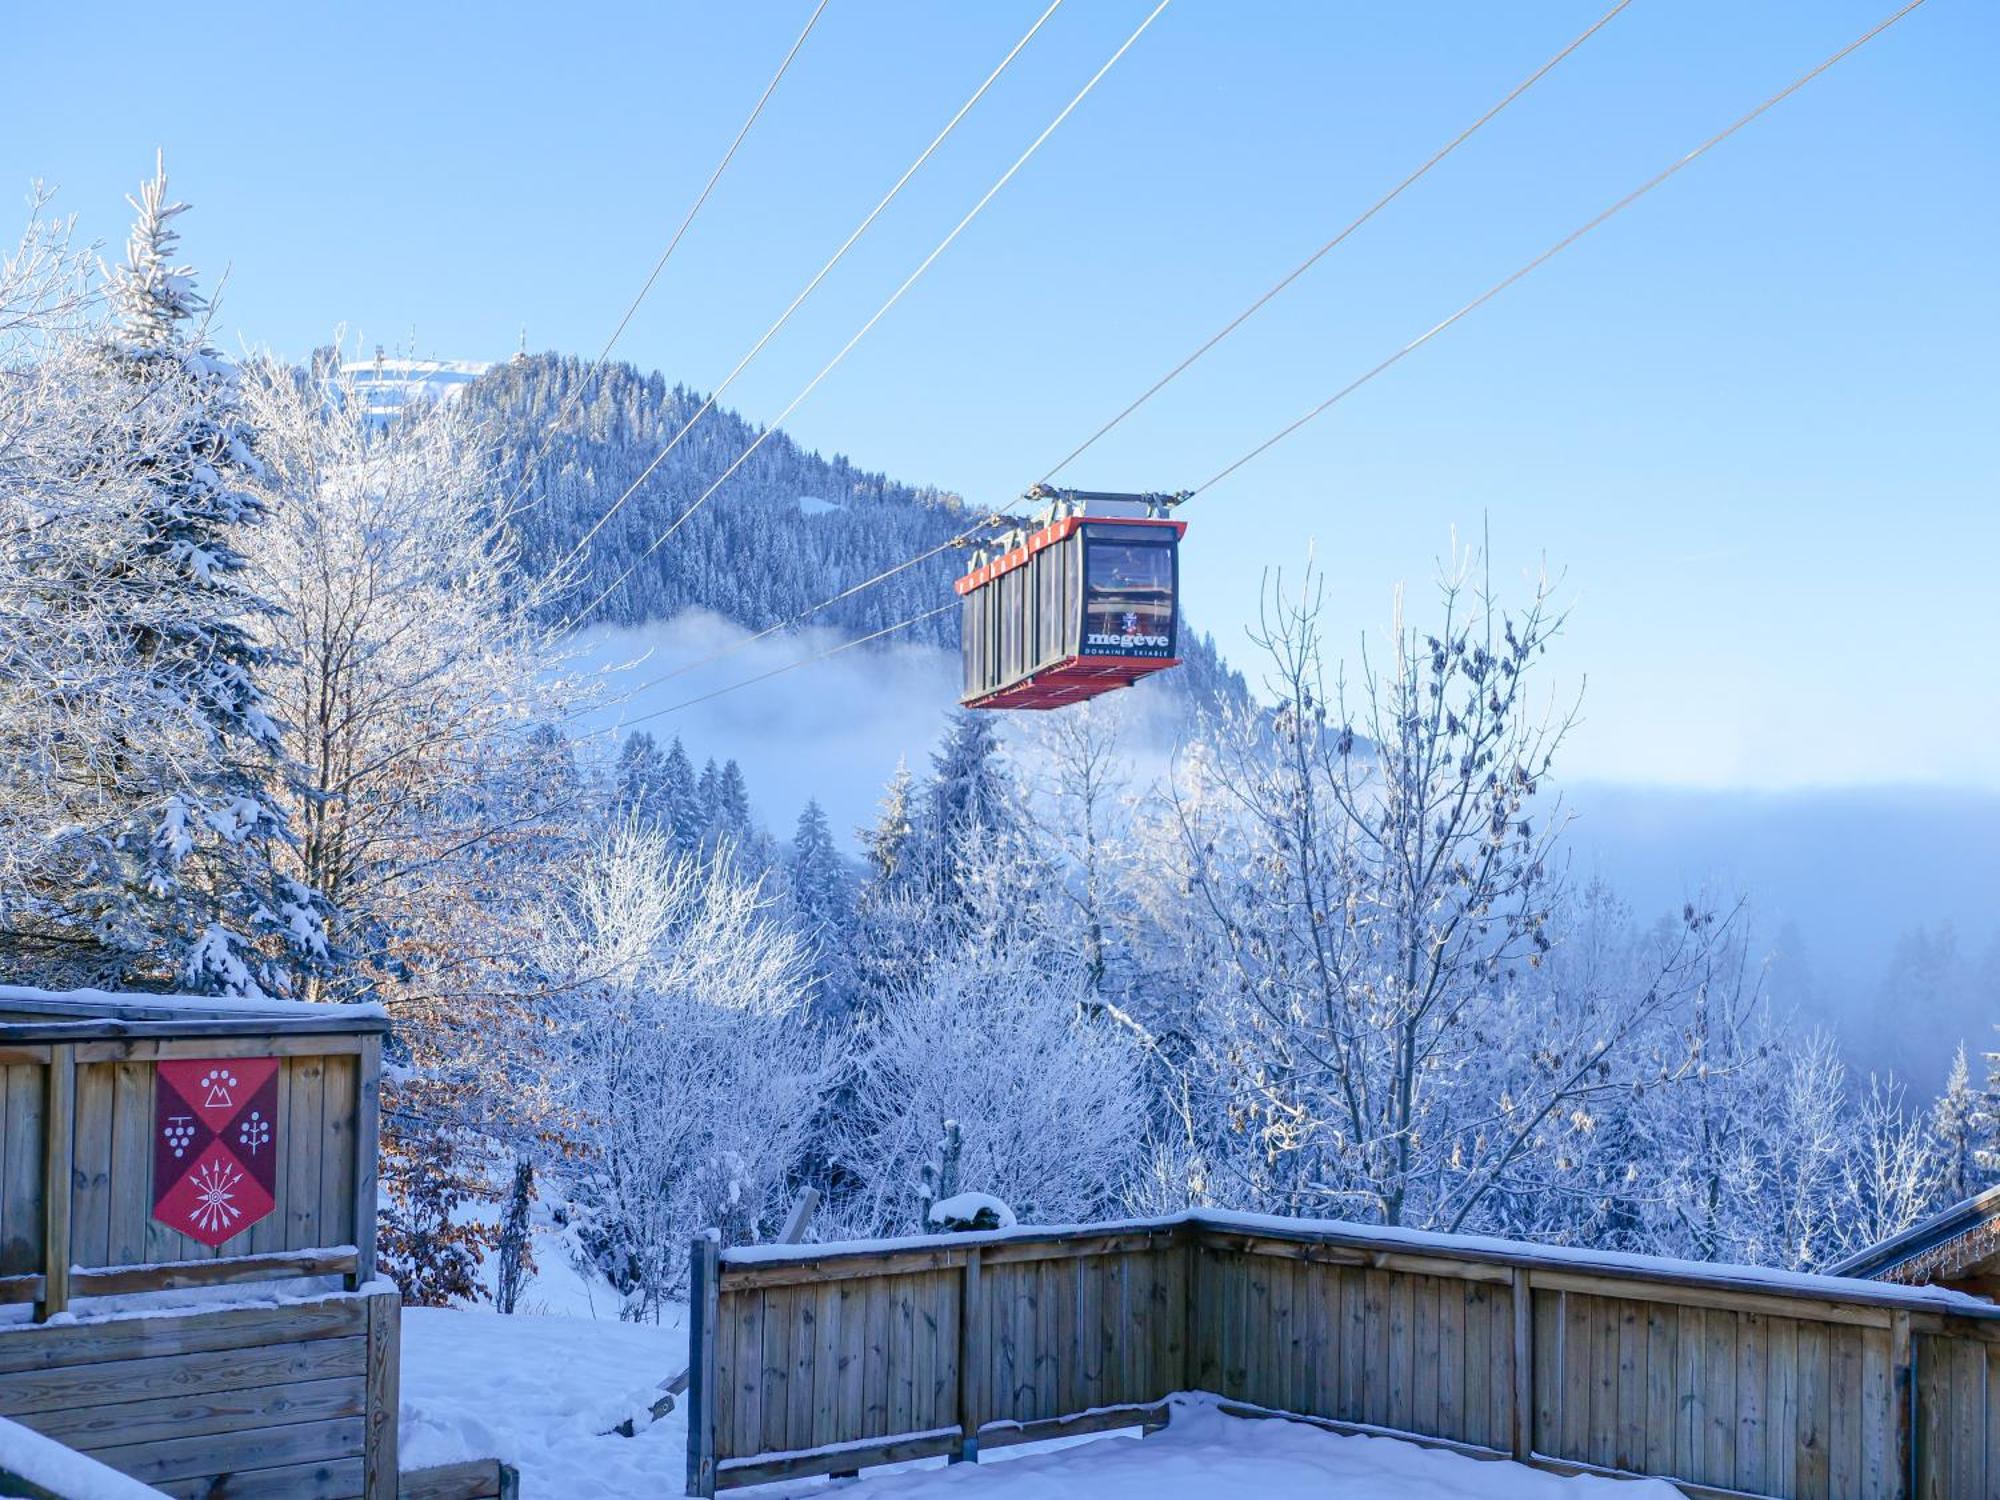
[
  {"x": 215, "y": 1195},
  {"x": 179, "y": 1133},
  {"x": 1131, "y": 623},
  {"x": 254, "y": 1133}
]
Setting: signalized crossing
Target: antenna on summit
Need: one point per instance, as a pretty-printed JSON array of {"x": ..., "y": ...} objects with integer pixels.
[{"x": 521, "y": 354}]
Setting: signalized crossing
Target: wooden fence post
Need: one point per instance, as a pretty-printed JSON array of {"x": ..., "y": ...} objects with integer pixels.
[
  {"x": 58, "y": 1150},
  {"x": 381, "y": 1471},
  {"x": 704, "y": 1324},
  {"x": 367, "y": 1157},
  {"x": 1524, "y": 1365},
  {"x": 972, "y": 1360},
  {"x": 1902, "y": 1405}
]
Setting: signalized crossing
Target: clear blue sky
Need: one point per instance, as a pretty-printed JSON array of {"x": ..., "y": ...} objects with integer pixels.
[{"x": 1753, "y": 420}]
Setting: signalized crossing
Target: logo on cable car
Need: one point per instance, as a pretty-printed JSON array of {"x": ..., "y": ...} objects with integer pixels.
[{"x": 215, "y": 1145}]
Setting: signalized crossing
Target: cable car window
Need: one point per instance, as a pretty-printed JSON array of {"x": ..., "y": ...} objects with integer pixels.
[{"x": 1128, "y": 607}]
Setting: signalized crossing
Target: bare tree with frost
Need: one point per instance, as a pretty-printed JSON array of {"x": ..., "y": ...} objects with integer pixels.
[{"x": 683, "y": 1052}]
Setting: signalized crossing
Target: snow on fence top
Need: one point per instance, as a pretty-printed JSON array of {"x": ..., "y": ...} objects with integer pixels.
[
  {"x": 1506, "y": 1252},
  {"x": 135, "y": 1006}
]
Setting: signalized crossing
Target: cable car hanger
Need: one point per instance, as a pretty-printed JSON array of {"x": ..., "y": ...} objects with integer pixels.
[{"x": 1078, "y": 600}]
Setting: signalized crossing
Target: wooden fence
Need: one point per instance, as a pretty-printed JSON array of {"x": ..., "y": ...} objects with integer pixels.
[
  {"x": 77, "y": 1080},
  {"x": 295, "y": 1396},
  {"x": 1729, "y": 1381}
]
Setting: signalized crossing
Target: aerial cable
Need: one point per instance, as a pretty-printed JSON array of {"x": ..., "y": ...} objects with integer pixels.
[
  {"x": 576, "y": 393},
  {"x": 880, "y": 312},
  {"x": 1411, "y": 347},
  {"x": 1560, "y": 245},
  {"x": 809, "y": 288},
  {"x": 1312, "y": 260}
]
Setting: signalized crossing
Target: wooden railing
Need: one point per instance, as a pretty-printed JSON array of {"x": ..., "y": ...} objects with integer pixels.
[
  {"x": 1726, "y": 1380},
  {"x": 76, "y": 1144}
]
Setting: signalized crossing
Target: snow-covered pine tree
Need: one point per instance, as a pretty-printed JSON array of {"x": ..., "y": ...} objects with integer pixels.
[
  {"x": 679, "y": 806},
  {"x": 637, "y": 785},
  {"x": 188, "y": 883},
  {"x": 822, "y": 906},
  {"x": 1956, "y": 1121}
]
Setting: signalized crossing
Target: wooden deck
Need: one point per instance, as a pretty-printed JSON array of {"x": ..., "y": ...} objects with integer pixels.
[
  {"x": 1725, "y": 1380},
  {"x": 293, "y": 1394}
]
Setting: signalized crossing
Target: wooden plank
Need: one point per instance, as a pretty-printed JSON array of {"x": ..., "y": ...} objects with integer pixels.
[
  {"x": 849, "y": 1409},
  {"x": 945, "y": 1318},
  {"x": 1781, "y": 1405},
  {"x": 58, "y": 1143},
  {"x": 1770, "y": 1299},
  {"x": 110, "y": 1281},
  {"x": 303, "y": 1156},
  {"x": 975, "y": 1360},
  {"x": 1691, "y": 1393},
  {"x": 27, "y": 1395},
  {"x": 132, "y": 1164},
  {"x": 332, "y": 1479},
  {"x": 1662, "y": 1370},
  {"x": 1814, "y": 1361},
  {"x": 1751, "y": 1434},
  {"x": 903, "y": 1449},
  {"x": 367, "y": 1155},
  {"x": 158, "y": 1418},
  {"x": 1931, "y": 1378},
  {"x": 1602, "y": 1447},
  {"x": 826, "y": 1364},
  {"x": 1629, "y": 1450},
  {"x": 1900, "y": 1450},
  {"x": 704, "y": 1311},
  {"x": 1450, "y": 1416},
  {"x": 475, "y": 1479},
  {"x": 1424, "y": 1355},
  {"x": 1546, "y": 1365},
  {"x": 902, "y": 1357},
  {"x": 1354, "y": 1346},
  {"x": 219, "y": 1044},
  {"x": 1402, "y": 1352},
  {"x": 1968, "y": 1424},
  {"x": 208, "y": 1454},
  {"x": 1719, "y": 1364},
  {"x": 21, "y": 1160},
  {"x": 90, "y": 1231},
  {"x": 745, "y": 1433},
  {"x": 1375, "y": 1406},
  {"x": 379, "y": 1466},
  {"x": 1578, "y": 1354},
  {"x": 775, "y": 1403},
  {"x": 1877, "y": 1419},
  {"x": 338, "y": 1102}
]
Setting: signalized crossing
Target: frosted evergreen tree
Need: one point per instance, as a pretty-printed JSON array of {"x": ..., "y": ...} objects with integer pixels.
[
  {"x": 639, "y": 781},
  {"x": 679, "y": 807},
  {"x": 189, "y": 880},
  {"x": 822, "y": 903},
  {"x": 888, "y": 841}
]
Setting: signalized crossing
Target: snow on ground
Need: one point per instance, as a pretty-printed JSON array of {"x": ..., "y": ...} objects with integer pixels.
[{"x": 537, "y": 1392}]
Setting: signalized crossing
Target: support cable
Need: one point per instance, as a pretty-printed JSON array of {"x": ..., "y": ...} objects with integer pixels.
[
  {"x": 881, "y": 312},
  {"x": 1559, "y": 246},
  {"x": 1312, "y": 260},
  {"x": 810, "y": 287},
  {"x": 569, "y": 404}
]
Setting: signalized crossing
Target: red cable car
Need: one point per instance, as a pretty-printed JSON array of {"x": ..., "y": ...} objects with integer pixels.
[{"x": 1080, "y": 601}]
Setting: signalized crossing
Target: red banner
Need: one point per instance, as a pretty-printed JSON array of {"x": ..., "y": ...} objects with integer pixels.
[{"x": 215, "y": 1145}]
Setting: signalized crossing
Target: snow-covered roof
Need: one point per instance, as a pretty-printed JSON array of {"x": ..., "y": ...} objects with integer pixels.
[{"x": 1948, "y": 1241}]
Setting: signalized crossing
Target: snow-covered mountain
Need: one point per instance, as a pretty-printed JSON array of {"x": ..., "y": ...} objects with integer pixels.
[{"x": 388, "y": 385}]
